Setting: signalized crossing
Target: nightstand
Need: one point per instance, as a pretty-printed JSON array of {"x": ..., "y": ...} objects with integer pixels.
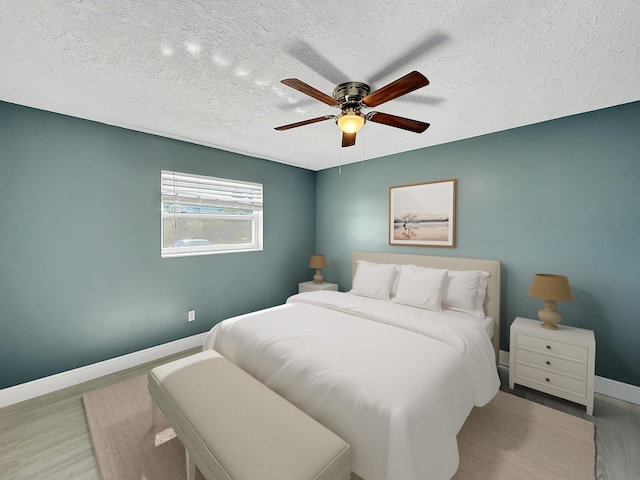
[
  {"x": 314, "y": 287},
  {"x": 558, "y": 362}
]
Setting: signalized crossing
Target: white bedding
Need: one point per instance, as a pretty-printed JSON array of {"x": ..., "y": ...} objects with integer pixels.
[{"x": 395, "y": 382}]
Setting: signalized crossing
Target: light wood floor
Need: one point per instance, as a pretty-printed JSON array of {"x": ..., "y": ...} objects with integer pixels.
[{"x": 48, "y": 438}]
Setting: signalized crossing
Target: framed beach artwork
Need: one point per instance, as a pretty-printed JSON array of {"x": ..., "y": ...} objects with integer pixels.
[{"x": 423, "y": 214}]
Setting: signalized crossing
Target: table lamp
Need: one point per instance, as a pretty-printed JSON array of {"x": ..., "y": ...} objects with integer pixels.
[
  {"x": 551, "y": 288},
  {"x": 317, "y": 262}
]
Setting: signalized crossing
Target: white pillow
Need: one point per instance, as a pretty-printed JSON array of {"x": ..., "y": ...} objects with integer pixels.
[
  {"x": 465, "y": 292},
  {"x": 421, "y": 287},
  {"x": 482, "y": 293},
  {"x": 396, "y": 281},
  {"x": 373, "y": 279}
]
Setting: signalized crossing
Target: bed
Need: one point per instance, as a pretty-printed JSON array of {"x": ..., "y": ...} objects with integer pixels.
[{"x": 380, "y": 366}]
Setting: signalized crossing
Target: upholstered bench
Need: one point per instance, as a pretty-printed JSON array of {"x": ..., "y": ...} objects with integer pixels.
[{"x": 235, "y": 428}]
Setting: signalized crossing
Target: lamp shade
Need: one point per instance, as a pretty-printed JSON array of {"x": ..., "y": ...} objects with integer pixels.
[
  {"x": 318, "y": 261},
  {"x": 548, "y": 286}
]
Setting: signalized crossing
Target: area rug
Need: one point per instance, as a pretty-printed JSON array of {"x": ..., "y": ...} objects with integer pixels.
[
  {"x": 513, "y": 438},
  {"x": 510, "y": 438}
]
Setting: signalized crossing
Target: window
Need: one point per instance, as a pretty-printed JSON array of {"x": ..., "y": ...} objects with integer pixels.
[{"x": 204, "y": 215}]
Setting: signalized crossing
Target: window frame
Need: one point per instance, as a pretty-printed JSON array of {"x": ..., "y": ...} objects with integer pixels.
[{"x": 216, "y": 192}]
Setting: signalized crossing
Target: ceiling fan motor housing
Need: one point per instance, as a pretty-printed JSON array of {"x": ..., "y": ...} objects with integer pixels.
[{"x": 349, "y": 94}]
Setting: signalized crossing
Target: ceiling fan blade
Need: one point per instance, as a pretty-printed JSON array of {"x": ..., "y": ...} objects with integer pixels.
[
  {"x": 304, "y": 122},
  {"x": 348, "y": 139},
  {"x": 309, "y": 90},
  {"x": 398, "y": 122},
  {"x": 410, "y": 82}
]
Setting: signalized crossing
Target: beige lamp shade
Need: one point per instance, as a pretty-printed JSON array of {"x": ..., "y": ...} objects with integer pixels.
[
  {"x": 318, "y": 262},
  {"x": 551, "y": 288}
]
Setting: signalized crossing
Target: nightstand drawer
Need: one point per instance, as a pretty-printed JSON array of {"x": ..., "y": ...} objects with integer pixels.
[
  {"x": 551, "y": 380},
  {"x": 552, "y": 363},
  {"x": 314, "y": 287},
  {"x": 574, "y": 352}
]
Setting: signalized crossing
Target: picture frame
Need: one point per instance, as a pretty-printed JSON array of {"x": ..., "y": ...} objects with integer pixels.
[{"x": 423, "y": 214}]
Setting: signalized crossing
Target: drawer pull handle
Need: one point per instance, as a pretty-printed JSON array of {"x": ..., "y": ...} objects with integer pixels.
[
  {"x": 547, "y": 380},
  {"x": 548, "y": 347},
  {"x": 548, "y": 362}
]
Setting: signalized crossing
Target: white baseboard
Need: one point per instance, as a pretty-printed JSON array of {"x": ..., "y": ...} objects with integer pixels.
[
  {"x": 602, "y": 385},
  {"x": 615, "y": 389},
  {"x": 503, "y": 359},
  {"x": 35, "y": 388}
]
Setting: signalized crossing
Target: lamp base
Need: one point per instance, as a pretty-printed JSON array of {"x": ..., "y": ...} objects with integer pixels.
[
  {"x": 318, "y": 277},
  {"x": 548, "y": 316},
  {"x": 549, "y": 326}
]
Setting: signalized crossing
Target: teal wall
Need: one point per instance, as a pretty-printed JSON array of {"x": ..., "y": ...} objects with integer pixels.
[
  {"x": 558, "y": 197},
  {"x": 81, "y": 278}
]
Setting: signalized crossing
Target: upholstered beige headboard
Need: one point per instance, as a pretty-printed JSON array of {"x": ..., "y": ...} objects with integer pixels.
[{"x": 492, "y": 267}]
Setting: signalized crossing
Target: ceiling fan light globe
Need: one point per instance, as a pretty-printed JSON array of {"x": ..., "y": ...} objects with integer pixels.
[{"x": 350, "y": 122}]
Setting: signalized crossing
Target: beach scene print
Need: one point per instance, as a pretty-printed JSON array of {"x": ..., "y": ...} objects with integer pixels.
[{"x": 423, "y": 213}]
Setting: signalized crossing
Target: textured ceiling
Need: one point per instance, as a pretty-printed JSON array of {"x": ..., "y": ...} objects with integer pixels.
[{"x": 209, "y": 71}]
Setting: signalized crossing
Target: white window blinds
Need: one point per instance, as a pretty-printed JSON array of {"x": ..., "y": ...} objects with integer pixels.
[{"x": 187, "y": 189}]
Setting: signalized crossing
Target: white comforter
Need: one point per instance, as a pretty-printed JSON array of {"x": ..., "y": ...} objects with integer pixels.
[{"x": 395, "y": 382}]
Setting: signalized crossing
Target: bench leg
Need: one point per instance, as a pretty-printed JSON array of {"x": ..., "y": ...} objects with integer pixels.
[
  {"x": 191, "y": 466},
  {"x": 154, "y": 413}
]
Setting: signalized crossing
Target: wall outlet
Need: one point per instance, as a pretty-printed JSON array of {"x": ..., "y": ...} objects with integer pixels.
[{"x": 191, "y": 315}]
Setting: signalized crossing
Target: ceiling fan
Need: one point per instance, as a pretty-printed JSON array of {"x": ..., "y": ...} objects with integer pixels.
[{"x": 352, "y": 97}]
